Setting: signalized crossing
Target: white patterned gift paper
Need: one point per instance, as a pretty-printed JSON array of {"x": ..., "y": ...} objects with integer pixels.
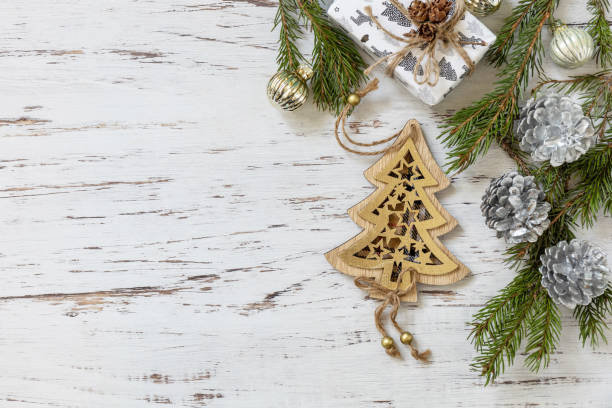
[{"x": 350, "y": 15}]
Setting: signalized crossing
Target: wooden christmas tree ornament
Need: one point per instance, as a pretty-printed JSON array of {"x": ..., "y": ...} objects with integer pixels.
[{"x": 401, "y": 221}]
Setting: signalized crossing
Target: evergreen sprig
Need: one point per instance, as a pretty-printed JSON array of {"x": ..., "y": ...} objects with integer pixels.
[
  {"x": 471, "y": 131},
  {"x": 600, "y": 31},
  {"x": 289, "y": 56},
  {"x": 577, "y": 191},
  {"x": 592, "y": 319},
  {"x": 337, "y": 65},
  {"x": 500, "y": 326},
  {"x": 522, "y": 312}
]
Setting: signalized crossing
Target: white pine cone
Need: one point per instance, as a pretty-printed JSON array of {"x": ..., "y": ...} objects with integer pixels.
[
  {"x": 514, "y": 206},
  {"x": 574, "y": 273},
  {"x": 553, "y": 127}
]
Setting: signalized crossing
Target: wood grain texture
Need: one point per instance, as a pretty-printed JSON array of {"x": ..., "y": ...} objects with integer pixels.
[
  {"x": 163, "y": 226},
  {"x": 410, "y": 141}
]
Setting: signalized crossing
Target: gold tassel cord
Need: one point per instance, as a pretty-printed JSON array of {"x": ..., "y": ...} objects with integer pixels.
[
  {"x": 371, "y": 86},
  {"x": 392, "y": 297}
]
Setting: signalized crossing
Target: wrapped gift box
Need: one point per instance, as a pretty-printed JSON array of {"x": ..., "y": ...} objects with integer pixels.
[{"x": 350, "y": 15}]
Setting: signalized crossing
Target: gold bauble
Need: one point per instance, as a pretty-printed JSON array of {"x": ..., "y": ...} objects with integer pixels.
[
  {"x": 387, "y": 342},
  {"x": 570, "y": 47},
  {"x": 406, "y": 338},
  {"x": 353, "y": 99},
  {"x": 482, "y": 8},
  {"x": 289, "y": 89}
]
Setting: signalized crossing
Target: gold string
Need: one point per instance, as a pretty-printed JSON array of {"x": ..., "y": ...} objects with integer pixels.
[
  {"x": 371, "y": 86},
  {"x": 391, "y": 297}
]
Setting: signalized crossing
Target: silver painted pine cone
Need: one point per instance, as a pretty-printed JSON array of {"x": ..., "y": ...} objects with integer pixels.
[
  {"x": 553, "y": 127},
  {"x": 574, "y": 273},
  {"x": 514, "y": 206}
]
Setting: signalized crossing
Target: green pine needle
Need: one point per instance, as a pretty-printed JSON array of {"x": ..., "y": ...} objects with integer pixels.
[
  {"x": 289, "y": 56},
  {"x": 578, "y": 192},
  {"x": 470, "y": 132},
  {"x": 500, "y": 326},
  {"x": 337, "y": 65},
  {"x": 521, "y": 311},
  {"x": 592, "y": 319},
  {"x": 600, "y": 31}
]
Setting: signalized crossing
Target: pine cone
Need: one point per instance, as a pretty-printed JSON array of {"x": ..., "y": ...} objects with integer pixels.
[
  {"x": 427, "y": 31},
  {"x": 514, "y": 206},
  {"x": 553, "y": 127},
  {"x": 439, "y": 9},
  {"x": 418, "y": 11},
  {"x": 574, "y": 273}
]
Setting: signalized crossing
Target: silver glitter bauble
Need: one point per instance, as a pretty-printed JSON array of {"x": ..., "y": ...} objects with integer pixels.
[
  {"x": 288, "y": 89},
  {"x": 482, "y": 8},
  {"x": 570, "y": 47},
  {"x": 574, "y": 273},
  {"x": 553, "y": 127},
  {"x": 514, "y": 206}
]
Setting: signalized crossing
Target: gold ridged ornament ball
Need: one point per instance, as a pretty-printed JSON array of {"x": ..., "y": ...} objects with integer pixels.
[
  {"x": 289, "y": 89},
  {"x": 482, "y": 8},
  {"x": 571, "y": 47}
]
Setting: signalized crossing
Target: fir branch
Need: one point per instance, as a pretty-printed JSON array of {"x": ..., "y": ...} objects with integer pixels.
[
  {"x": 501, "y": 324},
  {"x": 521, "y": 310},
  {"x": 577, "y": 192},
  {"x": 491, "y": 319},
  {"x": 516, "y": 154},
  {"x": 592, "y": 318},
  {"x": 471, "y": 131},
  {"x": 544, "y": 329},
  {"x": 505, "y": 38},
  {"x": 337, "y": 65},
  {"x": 594, "y": 190},
  {"x": 286, "y": 19},
  {"x": 600, "y": 31}
]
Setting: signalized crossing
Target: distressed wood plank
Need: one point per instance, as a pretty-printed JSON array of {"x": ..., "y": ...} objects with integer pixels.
[{"x": 164, "y": 227}]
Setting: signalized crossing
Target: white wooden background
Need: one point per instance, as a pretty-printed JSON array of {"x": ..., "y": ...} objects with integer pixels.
[{"x": 163, "y": 226}]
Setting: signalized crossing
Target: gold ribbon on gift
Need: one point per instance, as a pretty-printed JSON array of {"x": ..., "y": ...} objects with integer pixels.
[{"x": 442, "y": 32}]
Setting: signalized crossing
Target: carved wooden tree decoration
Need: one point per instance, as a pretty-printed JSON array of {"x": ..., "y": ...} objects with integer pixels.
[{"x": 401, "y": 221}]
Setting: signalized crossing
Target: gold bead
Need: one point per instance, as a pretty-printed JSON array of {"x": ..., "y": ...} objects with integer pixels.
[
  {"x": 406, "y": 338},
  {"x": 387, "y": 342},
  {"x": 353, "y": 99}
]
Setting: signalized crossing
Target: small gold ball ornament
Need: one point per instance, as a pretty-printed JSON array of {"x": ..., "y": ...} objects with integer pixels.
[
  {"x": 289, "y": 89},
  {"x": 406, "y": 338},
  {"x": 571, "y": 47},
  {"x": 482, "y": 8},
  {"x": 353, "y": 99},
  {"x": 387, "y": 342}
]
